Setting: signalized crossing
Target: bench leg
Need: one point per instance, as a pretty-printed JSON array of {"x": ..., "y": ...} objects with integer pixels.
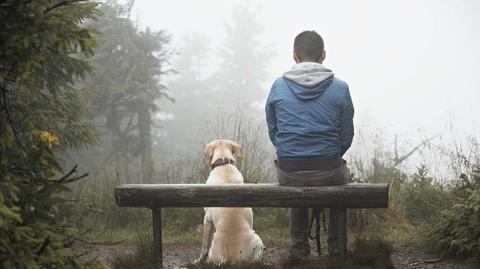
[
  {"x": 157, "y": 235},
  {"x": 337, "y": 231}
]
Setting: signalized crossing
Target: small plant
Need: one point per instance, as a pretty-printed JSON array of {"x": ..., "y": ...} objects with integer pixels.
[
  {"x": 142, "y": 256},
  {"x": 456, "y": 231},
  {"x": 372, "y": 251},
  {"x": 421, "y": 198}
]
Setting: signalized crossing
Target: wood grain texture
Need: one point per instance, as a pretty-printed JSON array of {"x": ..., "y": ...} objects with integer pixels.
[
  {"x": 251, "y": 195},
  {"x": 157, "y": 236}
]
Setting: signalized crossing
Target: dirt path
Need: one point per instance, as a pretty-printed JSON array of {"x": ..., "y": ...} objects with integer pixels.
[
  {"x": 402, "y": 258},
  {"x": 173, "y": 256},
  {"x": 178, "y": 255}
]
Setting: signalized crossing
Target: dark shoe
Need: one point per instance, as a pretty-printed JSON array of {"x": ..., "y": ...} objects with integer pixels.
[{"x": 299, "y": 253}]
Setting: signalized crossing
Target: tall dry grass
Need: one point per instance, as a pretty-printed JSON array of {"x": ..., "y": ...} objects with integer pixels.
[{"x": 415, "y": 198}]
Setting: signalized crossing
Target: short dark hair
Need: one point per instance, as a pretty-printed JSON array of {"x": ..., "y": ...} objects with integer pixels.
[{"x": 308, "y": 45}]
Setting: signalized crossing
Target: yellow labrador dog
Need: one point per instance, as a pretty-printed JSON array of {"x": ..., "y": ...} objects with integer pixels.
[{"x": 234, "y": 238}]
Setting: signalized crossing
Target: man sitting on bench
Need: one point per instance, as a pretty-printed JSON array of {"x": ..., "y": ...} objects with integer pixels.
[{"x": 310, "y": 122}]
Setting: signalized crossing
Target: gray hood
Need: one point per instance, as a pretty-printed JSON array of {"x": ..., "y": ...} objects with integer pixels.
[{"x": 308, "y": 80}]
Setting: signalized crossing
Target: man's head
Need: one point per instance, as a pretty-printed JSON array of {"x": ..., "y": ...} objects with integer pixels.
[{"x": 308, "y": 47}]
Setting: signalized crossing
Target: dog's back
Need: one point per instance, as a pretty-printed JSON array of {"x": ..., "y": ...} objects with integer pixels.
[
  {"x": 225, "y": 174},
  {"x": 234, "y": 237}
]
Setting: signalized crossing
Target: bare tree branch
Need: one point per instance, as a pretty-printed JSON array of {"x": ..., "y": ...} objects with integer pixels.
[
  {"x": 67, "y": 177},
  {"x": 6, "y": 110},
  {"x": 43, "y": 246},
  {"x": 72, "y": 240},
  {"x": 398, "y": 160}
]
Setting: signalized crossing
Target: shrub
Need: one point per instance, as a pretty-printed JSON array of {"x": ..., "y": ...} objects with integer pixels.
[
  {"x": 456, "y": 232},
  {"x": 421, "y": 198}
]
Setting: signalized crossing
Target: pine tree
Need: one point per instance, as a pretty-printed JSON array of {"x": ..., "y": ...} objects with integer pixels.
[
  {"x": 244, "y": 61},
  {"x": 128, "y": 65},
  {"x": 190, "y": 85},
  {"x": 43, "y": 46},
  {"x": 229, "y": 93}
]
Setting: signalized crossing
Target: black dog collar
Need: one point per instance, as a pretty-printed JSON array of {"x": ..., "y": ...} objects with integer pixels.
[{"x": 222, "y": 161}]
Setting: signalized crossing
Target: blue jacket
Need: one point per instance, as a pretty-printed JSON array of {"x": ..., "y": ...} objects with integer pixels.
[{"x": 310, "y": 114}]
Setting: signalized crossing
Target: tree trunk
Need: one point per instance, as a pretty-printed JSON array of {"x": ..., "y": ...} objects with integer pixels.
[{"x": 145, "y": 134}]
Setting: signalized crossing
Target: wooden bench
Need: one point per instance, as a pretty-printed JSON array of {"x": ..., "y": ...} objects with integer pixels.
[{"x": 157, "y": 196}]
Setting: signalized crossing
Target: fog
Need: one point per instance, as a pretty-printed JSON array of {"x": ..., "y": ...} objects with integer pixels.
[
  {"x": 409, "y": 64},
  {"x": 178, "y": 74}
]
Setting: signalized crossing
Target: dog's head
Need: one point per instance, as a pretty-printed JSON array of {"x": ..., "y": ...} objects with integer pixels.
[{"x": 222, "y": 148}]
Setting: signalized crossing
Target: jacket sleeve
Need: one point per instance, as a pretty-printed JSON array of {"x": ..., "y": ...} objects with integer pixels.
[
  {"x": 346, "y": 123},
  {"x": 271, "y": 117}
]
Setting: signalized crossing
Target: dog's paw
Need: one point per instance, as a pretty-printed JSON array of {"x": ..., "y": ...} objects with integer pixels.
[{"x": 202, "y": 259}]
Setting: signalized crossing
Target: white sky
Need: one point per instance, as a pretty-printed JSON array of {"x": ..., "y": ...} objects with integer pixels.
[{"x": 412, "y": 66}]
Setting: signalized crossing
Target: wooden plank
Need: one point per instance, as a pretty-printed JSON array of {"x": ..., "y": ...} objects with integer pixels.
[
  {"x": 251, "y": 195},
  {"x": 157, "y": 236}
]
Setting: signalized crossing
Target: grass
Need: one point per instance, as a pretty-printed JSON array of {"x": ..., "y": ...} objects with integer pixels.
[
  {"x": 142, "y": 256},
  {"x": 404, "y": 235},
  {"x": 324, "y": 262},
  {"x": 231, "y": 265},
  {"x": 180, "y": 225},
  {"x": 373, "y": 251},
  {"x": 402, "y": 224},
  {"x": 367, "y": 252}
]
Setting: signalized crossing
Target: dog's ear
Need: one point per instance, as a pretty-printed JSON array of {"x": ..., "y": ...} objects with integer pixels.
[
  {"x": 236, "y": 150},
  {"x": 209, "y": 152}
]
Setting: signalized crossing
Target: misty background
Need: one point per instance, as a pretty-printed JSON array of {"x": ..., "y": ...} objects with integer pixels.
[{"x": 410, "y": 66}]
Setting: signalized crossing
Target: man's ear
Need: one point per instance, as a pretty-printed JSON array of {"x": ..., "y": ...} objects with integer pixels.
[
  {"x": 209, "y": 148},
  {"x": 322, "y": 56},
  {"x": 295, "y": 57},
  {"x": 237, "y": 151}
]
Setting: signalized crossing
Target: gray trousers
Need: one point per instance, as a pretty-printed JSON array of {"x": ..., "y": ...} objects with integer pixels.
[{"x": 298, "y": 217}]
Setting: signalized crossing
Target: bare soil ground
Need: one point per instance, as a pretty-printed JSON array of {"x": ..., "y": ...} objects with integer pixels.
[
  {"x": 178, "y": 255},
  {"x": 403, "y": 258}
]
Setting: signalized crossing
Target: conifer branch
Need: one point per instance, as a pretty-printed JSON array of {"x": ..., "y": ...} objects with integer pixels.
[{"x": 62, "y": 3}]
